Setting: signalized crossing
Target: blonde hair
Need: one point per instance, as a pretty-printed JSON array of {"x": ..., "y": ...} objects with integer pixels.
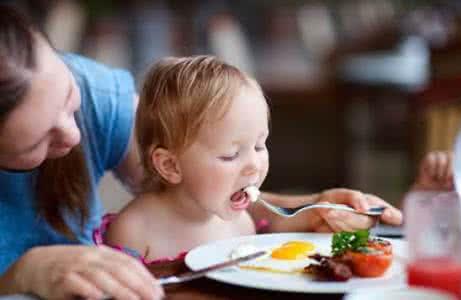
[{"x": 178, "y": 96}]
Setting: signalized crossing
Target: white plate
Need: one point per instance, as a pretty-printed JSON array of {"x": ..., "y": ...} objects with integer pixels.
[
  {"x": 219, "y": 251},
  {"x": 410, "y": 293}
]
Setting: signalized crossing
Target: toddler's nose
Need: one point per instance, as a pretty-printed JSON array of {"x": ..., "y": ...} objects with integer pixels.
[{"x": 252, "y": 167}]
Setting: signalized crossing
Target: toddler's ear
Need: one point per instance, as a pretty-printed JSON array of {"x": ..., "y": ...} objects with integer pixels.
[{"x": 166, "y": 164}]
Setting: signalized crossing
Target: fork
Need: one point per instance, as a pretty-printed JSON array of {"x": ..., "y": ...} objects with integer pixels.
[{"x": 291, "y": 212}]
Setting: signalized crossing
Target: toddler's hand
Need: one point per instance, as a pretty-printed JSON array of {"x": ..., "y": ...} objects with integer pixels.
[{"x": 435, "y": 172}]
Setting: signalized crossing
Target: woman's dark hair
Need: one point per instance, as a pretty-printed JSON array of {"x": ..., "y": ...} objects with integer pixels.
[{"x": 62, "y": 184}]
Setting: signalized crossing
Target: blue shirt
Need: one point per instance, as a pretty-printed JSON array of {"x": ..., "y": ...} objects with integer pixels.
[{"x": 105, "y": 120}]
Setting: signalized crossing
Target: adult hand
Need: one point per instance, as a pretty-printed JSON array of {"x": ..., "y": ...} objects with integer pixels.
[
  {"x": 336, "y": 220},
  {"x": 63, "y": 272}
]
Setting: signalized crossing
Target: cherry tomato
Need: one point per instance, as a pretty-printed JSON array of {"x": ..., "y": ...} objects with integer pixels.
[
  {"x": 369, "y": 262},
  {"x": 380, "y": 245}
]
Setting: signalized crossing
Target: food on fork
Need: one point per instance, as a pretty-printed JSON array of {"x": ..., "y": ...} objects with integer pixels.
[
  {"x": 363, "y": 255},
  {"x": 241, "y": 199},
  {"x": 252, "y": 193}
]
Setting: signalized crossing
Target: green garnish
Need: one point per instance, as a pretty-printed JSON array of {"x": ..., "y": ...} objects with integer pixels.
[{"x": 343, "y": 241}]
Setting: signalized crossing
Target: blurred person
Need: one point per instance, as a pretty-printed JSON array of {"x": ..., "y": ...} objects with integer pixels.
[{"x": 435, "y": 172}]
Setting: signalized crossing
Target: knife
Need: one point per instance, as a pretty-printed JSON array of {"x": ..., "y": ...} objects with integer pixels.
[{"x": 201, "y": 272}]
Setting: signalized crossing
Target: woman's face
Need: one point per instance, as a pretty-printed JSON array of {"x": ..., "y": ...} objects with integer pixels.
[{"x": 43, "y": 125}]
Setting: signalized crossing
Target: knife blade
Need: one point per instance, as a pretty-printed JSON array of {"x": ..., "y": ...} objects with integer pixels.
[{"x": 202, "y": 272}]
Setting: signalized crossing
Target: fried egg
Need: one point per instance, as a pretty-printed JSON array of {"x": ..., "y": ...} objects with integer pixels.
[{"x": 290, "y": 257}]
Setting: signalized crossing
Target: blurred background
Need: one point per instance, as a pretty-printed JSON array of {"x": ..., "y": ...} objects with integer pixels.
[{"x": 359, "y": 89}]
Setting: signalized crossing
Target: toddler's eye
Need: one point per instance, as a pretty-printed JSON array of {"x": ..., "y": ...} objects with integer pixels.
[{"x": 230, "y": 157}]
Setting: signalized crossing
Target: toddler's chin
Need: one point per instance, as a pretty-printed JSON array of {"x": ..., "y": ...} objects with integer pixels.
[{"x": 231, "y": 215}]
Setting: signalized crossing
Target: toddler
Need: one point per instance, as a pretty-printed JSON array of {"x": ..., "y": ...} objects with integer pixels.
[{"x": 201, "y": 128}]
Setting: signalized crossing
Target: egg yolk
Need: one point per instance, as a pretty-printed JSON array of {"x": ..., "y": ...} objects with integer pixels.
[{"x": 293, "y": 250}]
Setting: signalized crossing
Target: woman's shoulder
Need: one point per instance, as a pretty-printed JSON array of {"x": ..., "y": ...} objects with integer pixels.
[
  {"x": 106, "y": 93},
  {"x": 93, "y": 75},
  {"x": 107, "y": 110}
]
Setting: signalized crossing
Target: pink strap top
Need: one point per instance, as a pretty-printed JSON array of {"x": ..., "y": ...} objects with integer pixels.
[{"x": 98, "y": 238}]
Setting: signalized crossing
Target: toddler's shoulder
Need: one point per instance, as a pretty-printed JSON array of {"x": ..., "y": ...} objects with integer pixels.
[{"x": 128, "y": 228}]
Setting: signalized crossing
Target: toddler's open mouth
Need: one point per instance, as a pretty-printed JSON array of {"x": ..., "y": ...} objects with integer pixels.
[{"x": 241, "y": 200}]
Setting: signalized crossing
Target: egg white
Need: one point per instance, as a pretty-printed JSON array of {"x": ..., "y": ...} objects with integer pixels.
[{"x": 266, "y": 263}]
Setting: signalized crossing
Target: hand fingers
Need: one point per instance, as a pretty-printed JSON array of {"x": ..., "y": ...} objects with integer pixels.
[
  {"x": 110, "y": 285},
  {"x": 158, "y": 290},
  {"x": 437, "y": 165},
  {"x": 328, "y": 224},
  {"x": 359, "y": 201},
  {"x": 441, "y": 165},
  {"x": 392, "y": 216},
  {"x": 74, "y": 285},
  {"x": 324, "y": 228},
  {"x": 115, "y": 273},
  {"x": 448, "y": 176},
  {"x": 352, "y": 198},
  {"x": 133, "y": 275},
  {"x": 449, "y": 184},
  {"x": 429, "y": 164},
  {"x": 130, "y": 262},
  {"x": 345, "y": 221},
  {"x": 133, "y": 281}
]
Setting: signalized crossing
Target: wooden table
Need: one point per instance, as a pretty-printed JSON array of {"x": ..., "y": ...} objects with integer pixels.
[{"x": 210, "y": 289}]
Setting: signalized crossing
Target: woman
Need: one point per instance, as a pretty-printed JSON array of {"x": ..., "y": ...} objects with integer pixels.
[
  {"x": 42, "y": 98},
  {"x": 64, "y": 121}
]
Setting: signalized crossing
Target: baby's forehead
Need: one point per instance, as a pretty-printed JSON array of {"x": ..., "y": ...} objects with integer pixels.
[
  {"x": 234, "y": 128},
  {"x": 242, "y": 116}
]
